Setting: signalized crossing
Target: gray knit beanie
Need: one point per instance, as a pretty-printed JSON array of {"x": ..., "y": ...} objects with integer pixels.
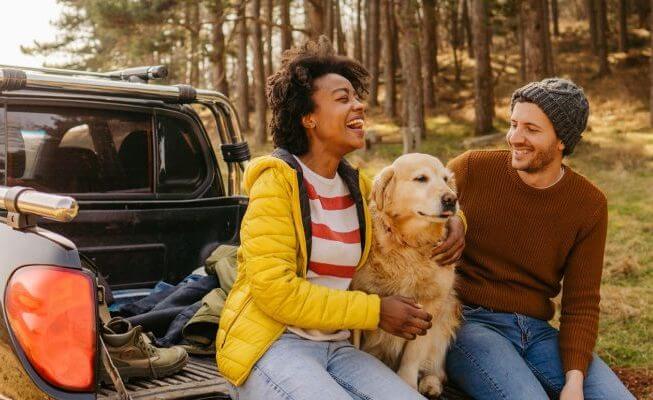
[{"x": 563, "y": 102}]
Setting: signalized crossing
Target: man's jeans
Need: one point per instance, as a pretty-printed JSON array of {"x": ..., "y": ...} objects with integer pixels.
[
  {"x": 301, "y": 369},
  {"x": 512, "y": 356}
]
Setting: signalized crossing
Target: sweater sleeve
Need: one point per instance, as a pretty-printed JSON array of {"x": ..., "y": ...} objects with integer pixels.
[
  {"x": 581, "y": 294},
  {"x": 460, "y": 166},
  {"x": 269, "y": 249}
]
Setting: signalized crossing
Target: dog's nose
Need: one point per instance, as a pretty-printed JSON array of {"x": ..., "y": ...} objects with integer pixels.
[{"x": 449, "y": 202}]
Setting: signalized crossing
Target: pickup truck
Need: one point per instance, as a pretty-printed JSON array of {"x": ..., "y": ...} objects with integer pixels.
[{"x": 106, "y": 175}]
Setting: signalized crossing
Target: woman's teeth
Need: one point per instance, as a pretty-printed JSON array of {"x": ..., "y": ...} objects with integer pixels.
[{"x": 356, "y": 123}]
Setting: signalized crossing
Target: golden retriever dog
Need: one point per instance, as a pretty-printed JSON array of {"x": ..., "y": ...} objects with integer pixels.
[{"x": 411, "y": 201}]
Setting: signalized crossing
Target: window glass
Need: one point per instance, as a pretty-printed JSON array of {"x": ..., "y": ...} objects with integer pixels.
[
  {"x": 182, "y": 167},
  {"x": 79, "y": 150}
]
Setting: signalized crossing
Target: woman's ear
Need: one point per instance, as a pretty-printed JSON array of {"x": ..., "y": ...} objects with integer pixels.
[
  {"x": 380, "y": 186},
  {"x": 308, "y": 122}
]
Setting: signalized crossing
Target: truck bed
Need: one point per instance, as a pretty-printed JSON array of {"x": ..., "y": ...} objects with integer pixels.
[{"x": 199, "y": 380}]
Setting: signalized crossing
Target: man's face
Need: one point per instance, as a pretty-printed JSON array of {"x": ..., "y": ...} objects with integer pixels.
[{"x": 532, "y": 139}]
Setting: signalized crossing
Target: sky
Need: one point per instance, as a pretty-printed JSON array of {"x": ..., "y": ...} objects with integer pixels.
[{"x": 21, "y": 23}]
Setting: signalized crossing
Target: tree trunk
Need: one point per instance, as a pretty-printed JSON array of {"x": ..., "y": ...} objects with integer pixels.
[
  {"x": 650, "y": 26},
  {"x": 389, "y": 60},
  {"x": 436, "y": 38},
  {"x": 590, "y": 6},
  {"x": 328, "y": 18},
  {"x": 522, "y": 48},
  {"x": 314, "y": 18},
  {"x": 373, "y": 46},
  {"x": 455, "y": 37},
  {"x": 602, "y": 32},
  {"x": 339, "y": 34},
  {"x": 555, "y": 16},
  {"x": 286, "y": 27},
  {"x": 623, "y": 25},
  {"x": 428, "y": 52},
  {"x": 408, "y": 31},
  {"x": 218, "y": 57},
  {"x": 259, "y": 75},
  {"x": 242, "y": 81},
  {"x": 467, "y": 26},
  {"x": 483, "y": 81},
  {"x": 537, "y": 61},
  {"x": 547, "y": 38},
  {"x": 643, "y": 12},
  {"x": 358, "y": 33},
  {"x": 269, "y": 12},
  {"x": 193, "y": 18}
]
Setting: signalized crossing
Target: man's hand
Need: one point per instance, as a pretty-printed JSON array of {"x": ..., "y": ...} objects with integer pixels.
[
  {"x": 451, "y": 249},
  {"x": 573, "y": 389},
  {"x": 402, "y": 317}
]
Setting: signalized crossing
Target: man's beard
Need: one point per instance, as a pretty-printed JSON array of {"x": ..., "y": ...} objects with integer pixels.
[{"x": 541, "y": 160}]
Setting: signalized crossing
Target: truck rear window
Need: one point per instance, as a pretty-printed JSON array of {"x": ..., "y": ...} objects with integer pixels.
[{"x": 79, "y": 150}]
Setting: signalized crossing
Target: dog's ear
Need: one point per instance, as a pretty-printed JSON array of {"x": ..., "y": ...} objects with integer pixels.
[{"x": 380, "y": 186}]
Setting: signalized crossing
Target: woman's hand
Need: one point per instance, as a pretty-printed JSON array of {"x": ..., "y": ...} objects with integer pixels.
[
  {"x": 402, "y": 317},
  {"x": 449, "y": 251},
  {"x": 573, "y": 389}
]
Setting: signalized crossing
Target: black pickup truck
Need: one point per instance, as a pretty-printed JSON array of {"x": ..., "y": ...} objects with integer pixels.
[{"x": 104, "y": 174}]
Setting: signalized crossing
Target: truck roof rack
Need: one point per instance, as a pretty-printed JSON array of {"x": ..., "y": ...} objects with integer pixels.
[{"x": 137, "y": 74}]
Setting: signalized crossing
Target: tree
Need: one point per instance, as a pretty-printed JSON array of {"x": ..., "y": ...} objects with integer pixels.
[
  {"x": 537, "y": 57},
  {"x": 286, "y": 27},
  {"x": 483, "y": 81},
  {"x": 467, "y": 26},
  {"x": 193, "y": 26},
  {"x": 314, "y": 18},
  {"x": 554, "y": 17},
  {"x": 622, "y": 15},
  {"x": 339, "y": 34},
  {"x": 389, "y": 58},
  {"x": 602, "y": 33},
  {"x": 373, "y": 45},
  {"x": 410, "y": 60},
  {"x": 242, "y": 81},
  {"x": 269, "y": 12},
  {"x": 218, "y": 55},
  {"x": 259, "y": 74},
  {"x": 651, "y": 75},
  {"x": 591, "y": 16},
  {"x": 358, "y": 33},
  {"x": 455, "y": 36},
  {"x": 428, "y": 52}
]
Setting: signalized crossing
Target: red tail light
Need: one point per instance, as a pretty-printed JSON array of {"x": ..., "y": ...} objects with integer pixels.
[{"x": 51, "y": 311}]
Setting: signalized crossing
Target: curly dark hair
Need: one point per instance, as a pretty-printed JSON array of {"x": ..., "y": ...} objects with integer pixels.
[{"x": 289, "y": 90}]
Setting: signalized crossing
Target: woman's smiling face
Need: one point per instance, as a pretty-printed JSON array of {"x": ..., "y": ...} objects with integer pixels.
[{"x": 337, "y": 122}]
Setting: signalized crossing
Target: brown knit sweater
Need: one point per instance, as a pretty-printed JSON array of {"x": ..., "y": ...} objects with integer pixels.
[{"x": 523, "y": 241}]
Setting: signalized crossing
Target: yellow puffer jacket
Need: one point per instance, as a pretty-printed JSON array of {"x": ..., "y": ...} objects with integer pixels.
[{"x": 270, "y": 291}]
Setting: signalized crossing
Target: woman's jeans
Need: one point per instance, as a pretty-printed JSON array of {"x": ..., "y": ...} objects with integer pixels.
[
  {"x": 301, "y": 369},
  {"x": 512, "y": 356}
]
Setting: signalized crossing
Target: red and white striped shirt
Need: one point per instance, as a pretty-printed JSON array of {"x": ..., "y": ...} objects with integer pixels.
[{"x": 335, "y": 242}]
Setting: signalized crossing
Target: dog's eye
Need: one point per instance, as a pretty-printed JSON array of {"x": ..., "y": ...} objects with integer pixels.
[
  {"x": 446, "y": 178},
  {"x": 421, "y": 178}
]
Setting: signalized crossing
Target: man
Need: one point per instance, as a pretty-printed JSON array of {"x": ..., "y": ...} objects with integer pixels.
[{"x": 532, "y": 222}]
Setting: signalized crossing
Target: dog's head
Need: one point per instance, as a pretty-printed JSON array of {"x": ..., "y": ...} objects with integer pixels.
[{"x": 416, "y": 194}]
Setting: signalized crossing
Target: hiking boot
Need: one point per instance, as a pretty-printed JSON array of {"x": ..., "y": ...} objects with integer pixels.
[{"x": 133, "y": 354}]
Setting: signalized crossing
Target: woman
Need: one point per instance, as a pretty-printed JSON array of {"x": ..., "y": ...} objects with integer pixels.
[{"x": 284, "y": 329}]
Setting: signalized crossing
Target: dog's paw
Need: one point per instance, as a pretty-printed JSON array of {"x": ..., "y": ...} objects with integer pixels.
[
  {"x": 408, "y": 376},
  {"x": 430, "y": 385}
]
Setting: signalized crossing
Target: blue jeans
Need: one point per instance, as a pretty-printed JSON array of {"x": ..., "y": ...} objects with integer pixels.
[
  {"x": 295, "y": 368},
  {"x": 512, "y": 356}
]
